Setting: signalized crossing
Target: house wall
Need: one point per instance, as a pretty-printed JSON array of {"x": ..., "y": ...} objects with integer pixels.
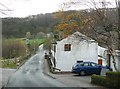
[
  {"x": 117, "y": 60},
  {"x": 80, "y": 50},
  {"x": 102, "y": 52},
  {"x": 118, "y": 57}
]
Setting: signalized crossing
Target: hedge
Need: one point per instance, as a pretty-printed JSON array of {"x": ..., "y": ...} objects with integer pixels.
[
  {"x": 114, "y": 79},
  {"x": 113, "y": 75},
  {"x": 111, "y": 80},
  {"x": 98, "y": 80}
]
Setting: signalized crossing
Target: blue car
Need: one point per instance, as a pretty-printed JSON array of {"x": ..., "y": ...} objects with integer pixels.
[{"x": 86, "y": 68}]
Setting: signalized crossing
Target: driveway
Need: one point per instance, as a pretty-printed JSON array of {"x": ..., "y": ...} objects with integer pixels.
[{"x": 74, "y": 80}]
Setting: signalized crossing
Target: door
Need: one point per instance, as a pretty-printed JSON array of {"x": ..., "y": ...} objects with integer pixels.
[
  {"x": 87, "y": 68},
  {"x": 95, "y": 68}
]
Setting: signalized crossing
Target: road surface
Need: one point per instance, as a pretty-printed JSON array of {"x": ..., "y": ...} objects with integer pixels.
[
  {"x": 35, "y": 74},
  {"x": 31, "y": 74},
  {"x": 5, "y": 73}
]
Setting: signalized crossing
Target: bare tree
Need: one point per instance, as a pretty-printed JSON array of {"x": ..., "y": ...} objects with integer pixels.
[
  {"x": 118, "y": 8},
  {"x": 6, "y": 9},
  {"x": 102, "y": 26},
  {"x": 106, "y": 30}
]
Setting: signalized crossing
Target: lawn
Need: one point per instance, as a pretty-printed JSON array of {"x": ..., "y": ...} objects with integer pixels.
[{"x": 37, "y": 41}]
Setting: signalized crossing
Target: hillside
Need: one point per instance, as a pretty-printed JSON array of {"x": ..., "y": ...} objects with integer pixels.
[
  {"x": 45, "y": 23},
  {"x": 17, "y": 27}
]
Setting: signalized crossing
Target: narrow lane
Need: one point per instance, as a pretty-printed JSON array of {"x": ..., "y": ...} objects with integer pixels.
[{"x": 31, "y": 74}]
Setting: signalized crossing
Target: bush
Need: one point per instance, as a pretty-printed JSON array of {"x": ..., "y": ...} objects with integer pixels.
[
  {"x": 111, "y": 80},
  {"x": 34, "y": 44},
  {"x": 13, "y": 48},
  {"x": 98, "y": 80},
  {"x": 47, "y": 43},
  {"x": 113, "y": 75},
  {"x": 114, "y": 79}
]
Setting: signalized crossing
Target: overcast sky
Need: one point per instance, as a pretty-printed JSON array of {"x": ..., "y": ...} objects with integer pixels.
[{"x": 23, "y": 8}]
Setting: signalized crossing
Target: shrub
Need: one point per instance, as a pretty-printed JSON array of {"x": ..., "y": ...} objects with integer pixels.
[
  {"x": 113, "y": 75},
  {"x": 13, "y": 48},
  {"x": 34, "y": 44},
  {"x": 111, "y": 80},
  {"x": 98, "y": 80},
  {"x": 114, "y": 79},
  {"x": 47, "y": 43}
]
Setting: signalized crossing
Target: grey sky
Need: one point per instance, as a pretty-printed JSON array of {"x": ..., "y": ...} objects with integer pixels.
[{"x": 22, "y": 8}]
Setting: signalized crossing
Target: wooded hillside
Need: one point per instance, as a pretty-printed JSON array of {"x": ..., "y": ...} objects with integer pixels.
[{"x": 17, "y": 27}]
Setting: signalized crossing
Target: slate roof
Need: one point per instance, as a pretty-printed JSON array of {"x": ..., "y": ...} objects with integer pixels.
[{"x": 81, "y": 37}]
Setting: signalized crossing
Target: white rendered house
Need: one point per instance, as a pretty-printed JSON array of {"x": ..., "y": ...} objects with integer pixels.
[{"x": 75, "y": 47}]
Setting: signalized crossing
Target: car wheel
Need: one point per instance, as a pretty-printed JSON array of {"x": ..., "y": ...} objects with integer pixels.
[{"x": 82, "y": 73}]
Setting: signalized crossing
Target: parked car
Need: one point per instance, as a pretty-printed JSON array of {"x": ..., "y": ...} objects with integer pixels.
[{"x": 85, "y": 68}]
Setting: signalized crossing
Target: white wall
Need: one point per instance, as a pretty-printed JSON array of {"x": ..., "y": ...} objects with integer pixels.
[
  {"x": 117, "y": 60},
  {"x": 118, "y": 57},
  {"x": 80, "y": 50},
  {"x": 101, "y": 52}
]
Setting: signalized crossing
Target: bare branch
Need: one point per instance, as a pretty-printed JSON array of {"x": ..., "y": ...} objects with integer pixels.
[{"x": 3, "y": 11}]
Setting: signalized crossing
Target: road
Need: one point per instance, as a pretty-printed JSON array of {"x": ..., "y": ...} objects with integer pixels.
[
  {"x": 35, "y": 74},
  {"x": 5, "y": 73},
  {"x": 74, "y": 80},
  {"x": 31, "y": 74}
]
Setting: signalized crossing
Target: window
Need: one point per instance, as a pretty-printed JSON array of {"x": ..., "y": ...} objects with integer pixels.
[
  {"x": 81, "y": 64},
  {"x": 67, "y": 47},
  {"x": 93, "y": 64},
  {"x": 86, "y": 64}
]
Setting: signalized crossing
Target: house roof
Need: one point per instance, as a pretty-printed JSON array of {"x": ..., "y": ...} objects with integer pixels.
[{"x": 81, "y": 37}]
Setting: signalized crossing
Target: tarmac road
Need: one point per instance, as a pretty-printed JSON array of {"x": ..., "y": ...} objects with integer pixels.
[
  {"x": 31, "y": 74},
  {"x": 5, "y": 73}
]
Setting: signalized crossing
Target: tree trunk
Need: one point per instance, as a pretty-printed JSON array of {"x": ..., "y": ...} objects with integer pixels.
[{"x": 119, "y": 25}]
